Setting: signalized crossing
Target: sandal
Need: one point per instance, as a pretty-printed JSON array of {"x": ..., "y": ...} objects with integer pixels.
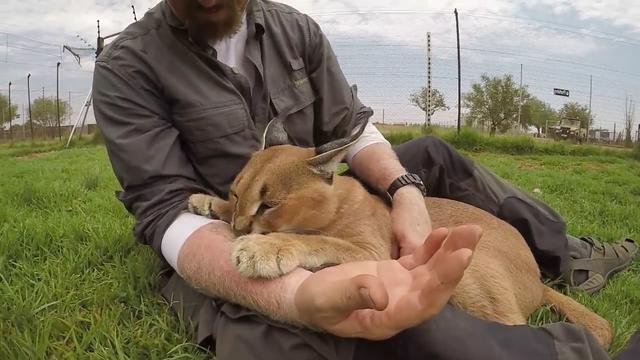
[{"x": 605, "y": 260}]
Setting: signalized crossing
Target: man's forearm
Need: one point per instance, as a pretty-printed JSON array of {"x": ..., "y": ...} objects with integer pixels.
[
  {"x": 386, "y": 169},
  {"x": 378, "y": 165},
  {"x": 204, "y": 261}
]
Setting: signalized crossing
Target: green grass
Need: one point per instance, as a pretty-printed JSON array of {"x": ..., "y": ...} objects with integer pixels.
[
  {"x": 74, "y": 283},
  {"x": 475, "y": 141}
]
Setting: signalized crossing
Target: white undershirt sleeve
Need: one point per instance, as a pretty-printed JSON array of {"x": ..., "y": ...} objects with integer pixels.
[
  {"x": 371, "y": 135},
  {"x": 178, "y": 232}
]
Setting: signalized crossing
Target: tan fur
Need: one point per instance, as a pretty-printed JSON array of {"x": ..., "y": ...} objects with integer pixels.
[{"x": 315, "y": 221}]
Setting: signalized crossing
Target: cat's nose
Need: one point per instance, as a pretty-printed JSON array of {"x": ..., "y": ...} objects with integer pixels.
[{"x": 241, "y": 225}]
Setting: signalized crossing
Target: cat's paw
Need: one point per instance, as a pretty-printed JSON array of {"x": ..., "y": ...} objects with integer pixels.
[
  {"x": 263, "y": 256},
  {"x": 202, "y": 204}
]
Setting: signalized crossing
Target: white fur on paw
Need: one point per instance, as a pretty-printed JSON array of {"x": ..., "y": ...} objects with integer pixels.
[
  {"x": 200, "y": 204},
  {"x": 261, "y": 256}
]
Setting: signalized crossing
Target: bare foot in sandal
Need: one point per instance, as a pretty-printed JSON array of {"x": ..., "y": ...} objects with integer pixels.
[{"x": 593, "y": 262}]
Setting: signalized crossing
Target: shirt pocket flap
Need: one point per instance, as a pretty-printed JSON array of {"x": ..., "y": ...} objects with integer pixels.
[
  {"x": 296, "y": 64},
  {"x": 212, "y": 122},
  {"x": 294, "y": 98}
]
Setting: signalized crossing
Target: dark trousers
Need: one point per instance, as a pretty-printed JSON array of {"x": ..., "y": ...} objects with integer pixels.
[{"x": 238, "y": 333}]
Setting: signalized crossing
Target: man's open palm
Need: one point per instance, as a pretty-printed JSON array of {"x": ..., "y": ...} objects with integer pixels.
[{"x": 378, "y": 299}]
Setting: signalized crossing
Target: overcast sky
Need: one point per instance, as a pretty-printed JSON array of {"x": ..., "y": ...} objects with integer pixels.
[{"x": 381, "y": 47}]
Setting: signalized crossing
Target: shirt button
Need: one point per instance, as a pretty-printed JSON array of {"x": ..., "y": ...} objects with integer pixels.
[{"x": 235, "y": 70}]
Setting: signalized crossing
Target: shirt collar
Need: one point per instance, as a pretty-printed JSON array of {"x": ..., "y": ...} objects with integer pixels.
[{"x": 255, "y": 16}]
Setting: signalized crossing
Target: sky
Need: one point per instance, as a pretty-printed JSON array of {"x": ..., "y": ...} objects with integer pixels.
[{"x": 381, "y": 46}]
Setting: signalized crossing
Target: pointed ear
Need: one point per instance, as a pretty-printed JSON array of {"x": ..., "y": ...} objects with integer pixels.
[
  {"x": 326, "y": 164},
  {"x": 274, "y": 134}
]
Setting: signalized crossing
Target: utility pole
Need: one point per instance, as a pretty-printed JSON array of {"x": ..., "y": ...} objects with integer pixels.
[
  {"x": 383, "y": 116},
  {"x": 58, "y": 99},
  {"x": 24, "y": 124},
  {"x": 428, "y": 113},
  {"x": 615, "y": 139},
  {"x": 45, "y": 128},
  {"x": 455, "y": 11},
  {"x": 10, "y": 114},
  {"x": 546, "y": 128},
  {"x": 590, "y": 94},
  {"x": 520, "y": 101},
  {"x": 29, "y": 98}
]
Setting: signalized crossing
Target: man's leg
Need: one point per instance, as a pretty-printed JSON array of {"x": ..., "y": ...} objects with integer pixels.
[
  {"x": 632, "y": 351},
  {"x": 448, "y": 174},
  {"x": 232, "y": 332},
  {"x": 456, "y": 335}
]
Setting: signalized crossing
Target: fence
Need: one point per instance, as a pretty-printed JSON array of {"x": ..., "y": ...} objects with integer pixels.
[
  {"x": 22, "y": 133},
  {"x": 384, "y": 52}
]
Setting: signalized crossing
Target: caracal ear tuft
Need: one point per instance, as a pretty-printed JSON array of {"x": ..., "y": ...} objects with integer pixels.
[{"x": 326, "y": 164}]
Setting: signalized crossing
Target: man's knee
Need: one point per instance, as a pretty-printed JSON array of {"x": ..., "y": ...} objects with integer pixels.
[
  {"x": 428, "y": 143},
  {"x": 430, "y": 153}
]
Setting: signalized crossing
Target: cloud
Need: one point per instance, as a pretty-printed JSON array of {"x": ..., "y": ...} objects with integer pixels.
[
  {"x": 621, "y": 13},
  {"x": 391, "y": 31}
]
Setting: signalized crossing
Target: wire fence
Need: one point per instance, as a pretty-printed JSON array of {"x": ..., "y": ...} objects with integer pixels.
[{"x": 384, "y": 53}]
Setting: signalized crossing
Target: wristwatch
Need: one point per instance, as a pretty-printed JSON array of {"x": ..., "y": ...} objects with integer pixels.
[{"x": 404, "y": 180}]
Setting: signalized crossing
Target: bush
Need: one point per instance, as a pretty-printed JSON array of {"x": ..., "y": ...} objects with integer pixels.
[
  {"x": 97, "y": 137},
  {"x": 470, "y": 139},
  {"x": 636, "y": 152},
  {"x": 467, "y": 139}
]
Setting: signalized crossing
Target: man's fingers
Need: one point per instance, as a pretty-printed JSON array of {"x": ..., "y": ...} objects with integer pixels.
[
  {"x": 444, "y": 279},
  {"x": 463, "y": 237},
  {"x": 425, "y": 251}
]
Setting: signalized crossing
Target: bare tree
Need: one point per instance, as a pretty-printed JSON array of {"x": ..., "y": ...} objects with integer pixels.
[{"x": 629, "y": 114}]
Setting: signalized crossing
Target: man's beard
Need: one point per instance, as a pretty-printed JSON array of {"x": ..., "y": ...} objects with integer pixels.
[{"x": 203, "y": 29}]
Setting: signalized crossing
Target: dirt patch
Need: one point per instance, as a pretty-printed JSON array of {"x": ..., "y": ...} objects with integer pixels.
[
  {"x": 35, "y": 155},
  {"x": 529, "y": 164},
  {"x": 596, "y": 167}
]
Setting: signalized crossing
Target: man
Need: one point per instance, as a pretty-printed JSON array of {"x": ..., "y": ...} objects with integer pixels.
[{"x": 183, "y": 97}]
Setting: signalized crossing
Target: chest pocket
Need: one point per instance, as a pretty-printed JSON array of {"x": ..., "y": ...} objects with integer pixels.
[
  {"x": 216, "y": 132},
  {"x": 295, "y": 100}
]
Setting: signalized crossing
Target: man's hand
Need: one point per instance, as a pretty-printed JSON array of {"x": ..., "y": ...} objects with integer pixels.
[
  {"x": 410, "y": 219},
  {"x": 376, "y": 300}
]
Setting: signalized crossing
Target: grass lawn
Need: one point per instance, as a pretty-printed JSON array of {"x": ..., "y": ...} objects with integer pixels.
[{"x": 75, "y": 284}]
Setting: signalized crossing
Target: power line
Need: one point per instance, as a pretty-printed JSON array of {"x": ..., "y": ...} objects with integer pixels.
[
  {"x": 512, "y": 18},
  {"x": 30, "y": 39},
  {"x": 32, "y": 50},
  {"x": 563, "y": 27}
]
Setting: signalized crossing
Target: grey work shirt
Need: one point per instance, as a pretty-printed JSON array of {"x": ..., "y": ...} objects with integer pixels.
[{"x": 176, "y": 121}]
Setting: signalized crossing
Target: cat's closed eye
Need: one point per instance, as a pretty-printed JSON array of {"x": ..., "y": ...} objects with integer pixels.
[{"x": 264, "y": 207}]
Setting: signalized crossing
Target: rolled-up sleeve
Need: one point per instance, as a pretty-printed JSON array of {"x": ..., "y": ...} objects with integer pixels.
[
  {"x": 337, "y": 108},
  {"x": 144, "y": 149}
]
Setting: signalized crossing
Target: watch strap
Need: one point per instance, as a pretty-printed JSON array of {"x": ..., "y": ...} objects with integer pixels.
[{"x": 404, "y": 180}]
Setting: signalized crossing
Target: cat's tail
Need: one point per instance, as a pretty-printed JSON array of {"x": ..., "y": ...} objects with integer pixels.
[{"x": 580, "y": 315}]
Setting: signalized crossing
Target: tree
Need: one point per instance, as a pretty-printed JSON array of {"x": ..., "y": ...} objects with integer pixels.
[
  {"x": 576, "y": 111},
  {"x": 5, "y": 113},
  {"x": 419, "y": 99},
  {"x": 538, "y": 114},
  {"x": 629, "y": 114},
  {"x": 493, "y": 103},
  {"x": 44, "y": 111}
]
